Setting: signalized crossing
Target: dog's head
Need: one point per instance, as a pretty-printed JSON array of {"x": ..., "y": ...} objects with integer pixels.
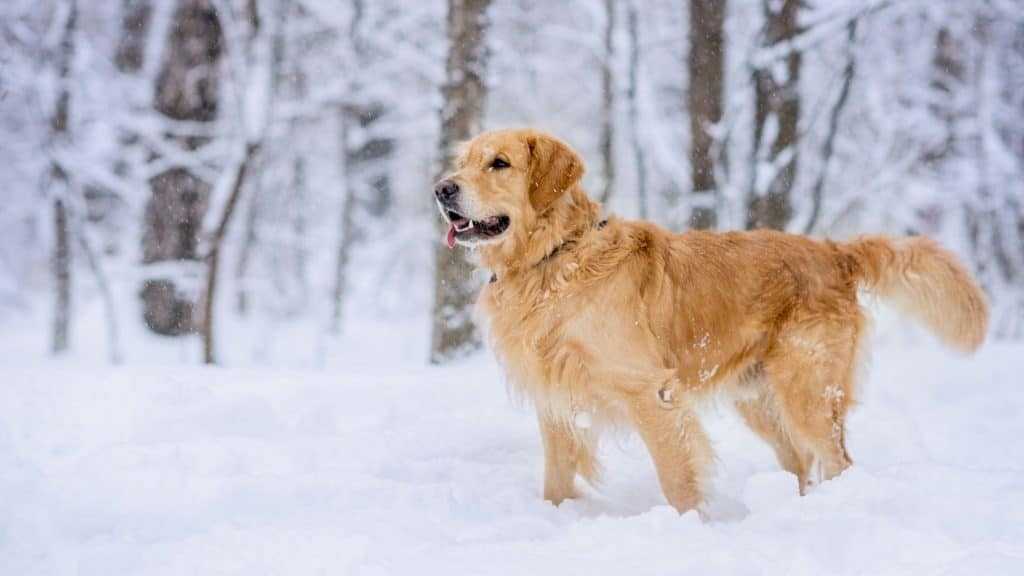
[{"x": 503, "y": 182}]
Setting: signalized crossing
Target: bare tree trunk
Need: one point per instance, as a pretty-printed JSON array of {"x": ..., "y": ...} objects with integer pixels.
[
  {"x": 704, "y": 98},
  {"x": 346, "y": 219},
  {"x": 607, "y": 144},
  {"x": 62, "y": 278},
  {"x": 948, "y": 74},
  {"x": 60, "y": 186},
  {"x": 247, "y": 163},
  {"x": 216, "y": 244},
  {"x": 346, "y": 232},
  {"x": 300, "y": 246},
  {"x": 634, "y": 110},
  {"x": 777, "y": 106},
  {"x": 454, "y": 334},
  {"x": 131, "y": 50},
  {"x": 130, "y": 58},
  {"x": 187, "y": 89},
  {"x": 294, "y": 79},
  {"x": 249, "y": 240}
]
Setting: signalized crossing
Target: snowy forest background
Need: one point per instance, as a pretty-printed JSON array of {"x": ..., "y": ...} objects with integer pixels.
[{"x": 249, "y": 181}]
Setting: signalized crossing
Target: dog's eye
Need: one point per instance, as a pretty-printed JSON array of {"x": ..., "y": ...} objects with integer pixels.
[{"x": 499, "y": 164}]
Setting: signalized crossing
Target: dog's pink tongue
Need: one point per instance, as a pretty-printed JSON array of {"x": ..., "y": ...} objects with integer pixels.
[{"x": 451, "y": 236}]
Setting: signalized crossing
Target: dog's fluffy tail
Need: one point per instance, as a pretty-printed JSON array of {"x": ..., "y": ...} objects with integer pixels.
[{"x": 926, "y": 282}]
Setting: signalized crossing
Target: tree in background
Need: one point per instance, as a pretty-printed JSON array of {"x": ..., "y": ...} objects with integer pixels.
[
  {"x": 60, "y": 183},
  {"x": 367, "y": 146},
  {"x": 776, "y": 120},
  {"x": 131, "y": 47},
  {"x": 704, "y": 99},
  {"x": 186, "y": 95},
  {"x": 981, "y": 139},
  {"x": 904, "y": 118},
  {"x": 607, "y": 143},
  {"x": 835, "y": 115},
  {"x": 632, "y": 97},
  {"x": 464, "y": 92}
]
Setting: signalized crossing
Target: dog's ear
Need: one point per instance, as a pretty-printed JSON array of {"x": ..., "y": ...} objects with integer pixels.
[{"x": 554, "y": 168}]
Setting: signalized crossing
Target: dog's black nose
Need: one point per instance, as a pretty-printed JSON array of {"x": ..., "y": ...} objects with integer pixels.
[{"x": 446, "y": 190}]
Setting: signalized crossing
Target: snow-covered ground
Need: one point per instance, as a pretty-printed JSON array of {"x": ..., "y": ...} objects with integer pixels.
[{"x": 381, "y": 465}]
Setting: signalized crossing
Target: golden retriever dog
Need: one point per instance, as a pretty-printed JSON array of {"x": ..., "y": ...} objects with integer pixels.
[{"x": 610, "y": 322}]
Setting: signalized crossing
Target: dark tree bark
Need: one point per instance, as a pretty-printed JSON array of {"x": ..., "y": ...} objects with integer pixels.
[
  {"x": 62, "y": 278},
  {"x": 129, "y": 57},
  {"x": 607, "y": 143},
  {"x": 131, "y": 50},
  {"x": 187, "y": 89},
  {"x": 949, "y": 73},
  {"x": 777, "y": 105},
  {"x": 704, "y": 98},
  {"x": 60, "y": 187},
  {"x": 464, "y": 92}
]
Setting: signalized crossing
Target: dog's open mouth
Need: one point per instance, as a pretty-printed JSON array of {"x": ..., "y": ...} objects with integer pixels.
[{"x": 462, "y": 228}]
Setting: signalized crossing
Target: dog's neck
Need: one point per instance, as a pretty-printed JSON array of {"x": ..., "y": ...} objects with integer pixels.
[{"x": 564, "y": 221}]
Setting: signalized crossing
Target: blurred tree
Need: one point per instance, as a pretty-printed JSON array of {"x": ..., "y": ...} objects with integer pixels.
[
  {"x": 632, "y": 97},
  {"x": 59, "y": 181},
  {"x": 828, "y": 146},
  {"x": 131, "y": 48},
  {"x": 143, "y": 140},
  {"x": 369, "y": 145},
  {"x": 993, "y": 212},
  {"x": 607, "y": 143},
  {"x": 464, "y": 91},
  {"x": 365, "y": 150},
  {"x": 704, "y": 99},
  {"x": 186, "y": 92},
  {"x": 776, "y": 119},
  {"x": 257, "y": 55}
]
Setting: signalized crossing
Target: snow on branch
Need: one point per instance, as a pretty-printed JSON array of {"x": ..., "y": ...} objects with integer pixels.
[{"x": 819, "y": 30}]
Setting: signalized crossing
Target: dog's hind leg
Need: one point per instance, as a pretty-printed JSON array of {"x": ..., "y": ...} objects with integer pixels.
[
  {"x": 762, "y": 416},
  {"x": 811, "y": 375}
]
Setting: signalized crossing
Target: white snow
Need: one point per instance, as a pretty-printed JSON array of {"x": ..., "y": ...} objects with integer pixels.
[{"x": 380, "y": 466}]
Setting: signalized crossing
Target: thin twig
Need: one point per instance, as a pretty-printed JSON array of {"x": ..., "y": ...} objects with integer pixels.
[{"x": 833, "y": 128}]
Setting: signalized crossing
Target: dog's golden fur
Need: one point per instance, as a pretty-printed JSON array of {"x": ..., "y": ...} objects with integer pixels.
[{"x": 628, "y": 323}]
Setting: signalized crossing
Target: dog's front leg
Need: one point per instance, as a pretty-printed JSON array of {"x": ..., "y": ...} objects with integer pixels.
[{"x": 561, "y": 453}]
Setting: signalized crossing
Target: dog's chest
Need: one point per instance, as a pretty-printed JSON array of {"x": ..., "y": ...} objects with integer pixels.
[
  {"x": 523, "y": 322},
  {"x": 530, "y": 329}
]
